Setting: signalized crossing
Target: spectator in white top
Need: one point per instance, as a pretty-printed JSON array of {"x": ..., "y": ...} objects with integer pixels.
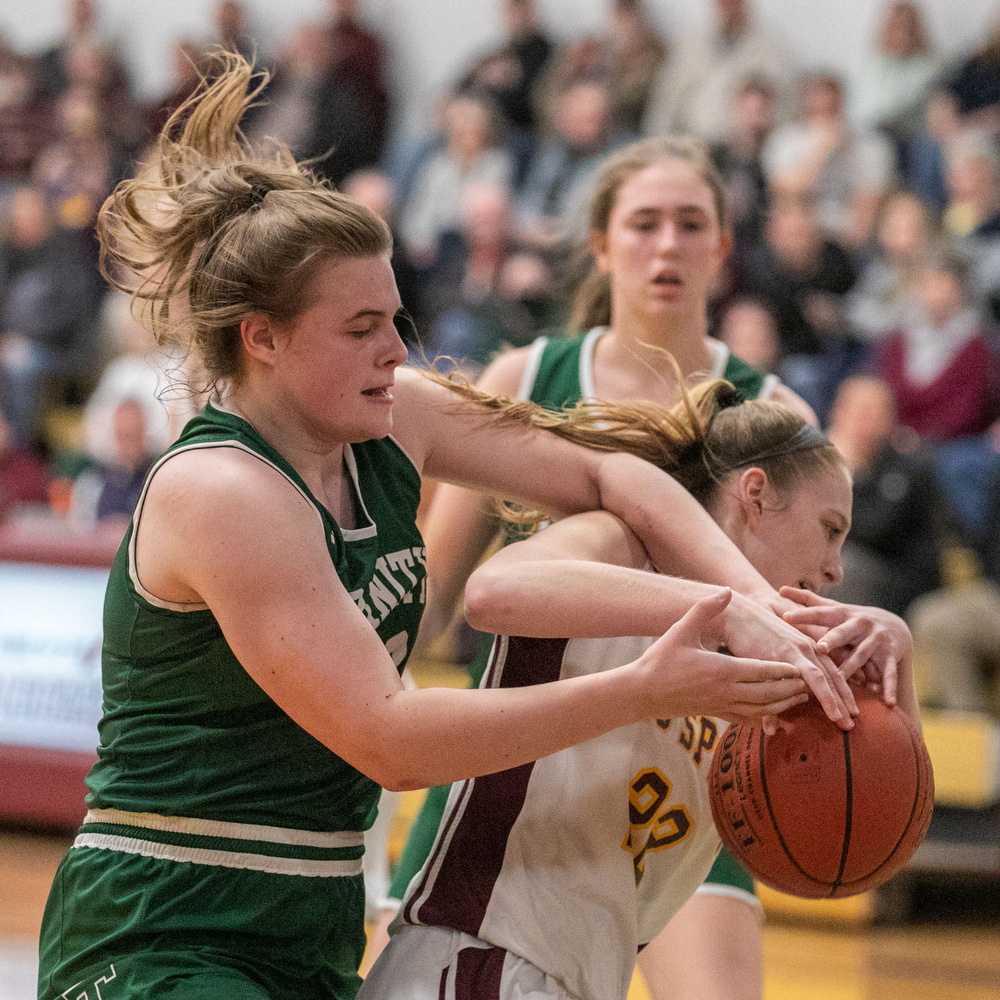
[
  {"x": 694, "y": 92},
  {"x": 892, "y": 88},
  {"x": 470, "y": 156},
  {"x": 849, "y": 172},
  {"x": 886, "y": 292},
  {"x": 152, "y": 377}
]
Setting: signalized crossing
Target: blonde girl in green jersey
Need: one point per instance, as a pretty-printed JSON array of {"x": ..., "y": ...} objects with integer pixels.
[{"x": 268, "y": 591}]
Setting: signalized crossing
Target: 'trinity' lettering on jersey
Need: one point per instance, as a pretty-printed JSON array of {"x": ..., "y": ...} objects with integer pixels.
[{"x": 397, "y": 578}]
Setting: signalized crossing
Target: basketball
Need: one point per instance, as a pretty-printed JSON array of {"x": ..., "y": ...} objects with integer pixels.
[{"x": 820, "y": 812}]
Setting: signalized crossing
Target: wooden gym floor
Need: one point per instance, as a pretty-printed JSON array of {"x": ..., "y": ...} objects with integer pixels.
[{"x": 802, "y": 962}]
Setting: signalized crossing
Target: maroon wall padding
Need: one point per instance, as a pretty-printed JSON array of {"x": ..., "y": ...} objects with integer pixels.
[{"x": 43, "y": 787}]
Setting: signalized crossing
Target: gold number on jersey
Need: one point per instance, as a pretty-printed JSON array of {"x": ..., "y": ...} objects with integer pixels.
[{"x": 652, "y": 825}]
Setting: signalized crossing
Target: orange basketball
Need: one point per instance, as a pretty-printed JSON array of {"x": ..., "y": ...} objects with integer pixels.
[{"x": 819, "y": 812}]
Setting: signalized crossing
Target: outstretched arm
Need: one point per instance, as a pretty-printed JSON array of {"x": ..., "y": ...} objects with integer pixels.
[
  {"x": 236, "y": 535},
  {"x": 588, "y": 576},
  {"x": 460, "y": 443}
]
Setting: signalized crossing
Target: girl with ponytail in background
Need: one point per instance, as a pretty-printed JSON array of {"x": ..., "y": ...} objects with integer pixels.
[{"x": 269, "y": 588}]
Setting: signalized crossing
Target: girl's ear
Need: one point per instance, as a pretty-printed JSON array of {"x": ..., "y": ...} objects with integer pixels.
[
  {"x": 258, "y": 335},
  {"x": 752, "y": 489},
  {"x": 597, "y": 242}
]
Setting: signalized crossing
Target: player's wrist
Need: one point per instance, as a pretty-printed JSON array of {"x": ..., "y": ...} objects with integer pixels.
[{"x": 639, "y": 689}]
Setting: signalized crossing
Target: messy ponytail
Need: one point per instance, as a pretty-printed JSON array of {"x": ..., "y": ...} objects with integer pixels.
[
  {"x": 210, "y": 231},
  {"x": 700, "y": 441}
]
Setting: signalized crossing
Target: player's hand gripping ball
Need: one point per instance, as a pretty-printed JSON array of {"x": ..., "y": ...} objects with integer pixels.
[{"x": 820, "y": 812}]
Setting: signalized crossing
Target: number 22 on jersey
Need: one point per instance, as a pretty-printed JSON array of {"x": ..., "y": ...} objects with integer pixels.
[{"x": 654, "y": 824}]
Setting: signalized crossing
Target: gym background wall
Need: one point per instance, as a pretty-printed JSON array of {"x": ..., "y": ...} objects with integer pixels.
[{"x": 431, "y": 40}]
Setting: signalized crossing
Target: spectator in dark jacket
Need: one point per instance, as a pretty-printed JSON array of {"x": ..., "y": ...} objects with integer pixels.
[
  {"x": 48, "y": 296},
  {"x": 976, "y": 83},
  {"x": 891, "y": 556},
  {"x": 739, "y": 160},
  {"x": 357, "y": 59},
  {"x": 25, "y": 119},
  {"x": 509, "y": 73},
  {"x": 124, "y": 477},
  {"x": 800, "y": 273},
  {"x": 803, "y": 278}
]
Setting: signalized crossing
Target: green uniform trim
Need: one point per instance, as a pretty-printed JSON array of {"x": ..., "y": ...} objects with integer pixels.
[
  {"x": 235, "y": 831},
  {"x": 221, "y": 856},
  {"x": 92, "y": 830},
  {"x": 559, "y": 373},
  {"x": 729, "y": 873}
]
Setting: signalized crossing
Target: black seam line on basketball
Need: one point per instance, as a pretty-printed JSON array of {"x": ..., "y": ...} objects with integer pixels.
[
  {"x": 774, "y": 821},
  {"x": 849, "y": 805},
  {"x": 909, "y": 822}
]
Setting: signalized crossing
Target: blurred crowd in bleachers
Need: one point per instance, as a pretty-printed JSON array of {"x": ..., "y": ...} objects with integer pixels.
[{"x": 866, "y": 268}]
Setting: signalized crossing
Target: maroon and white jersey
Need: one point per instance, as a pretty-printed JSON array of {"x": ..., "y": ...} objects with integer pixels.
[{"x": 576, "y": 861}]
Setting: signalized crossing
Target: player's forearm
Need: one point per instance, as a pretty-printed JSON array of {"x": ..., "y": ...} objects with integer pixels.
[
  {"x": 679, "y": 534},
  {"x": 551, "y": 598},
  {"x": 438, "y": 735}
]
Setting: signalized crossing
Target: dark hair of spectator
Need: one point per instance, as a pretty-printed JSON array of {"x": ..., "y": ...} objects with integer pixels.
[
  {"x": 915, "y": 28},
  {"x": 211, "y": 231},
  {"x": 592, "y": 302}
]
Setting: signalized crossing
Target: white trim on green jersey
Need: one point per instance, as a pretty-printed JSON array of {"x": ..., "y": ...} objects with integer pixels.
[
  {"x": 219, "y": 828},
  {"x": 158, "y": 602},
  {"x": 340, "y": 868},
  {"x": 530, "y": 372}
]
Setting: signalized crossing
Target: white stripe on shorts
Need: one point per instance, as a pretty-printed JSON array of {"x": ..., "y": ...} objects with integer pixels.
[
  {"x": 732, "y": 891},
  {"x": 224, "y": 859},
  {"x": 234, "y": 831}
]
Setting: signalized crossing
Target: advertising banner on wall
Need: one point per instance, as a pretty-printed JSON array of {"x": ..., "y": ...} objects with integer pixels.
[{"x": 50, "y": 656}]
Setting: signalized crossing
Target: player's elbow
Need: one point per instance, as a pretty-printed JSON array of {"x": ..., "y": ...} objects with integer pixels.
[
  {"x": 394, "y": 774},
  {"x": 395, "y": 781},
  {"x": 391, "y": 760},
  {"x": 487, "y": 595}
]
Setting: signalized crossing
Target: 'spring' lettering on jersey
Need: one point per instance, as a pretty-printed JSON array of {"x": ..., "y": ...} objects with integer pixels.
[
  {"x": 708, "y": 733},
  {"x": 398, "y": 579}
]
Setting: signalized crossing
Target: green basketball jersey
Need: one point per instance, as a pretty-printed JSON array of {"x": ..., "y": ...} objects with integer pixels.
[
  {"x": 560, "y": 371},
  {"x": 186, "y": 731}
]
